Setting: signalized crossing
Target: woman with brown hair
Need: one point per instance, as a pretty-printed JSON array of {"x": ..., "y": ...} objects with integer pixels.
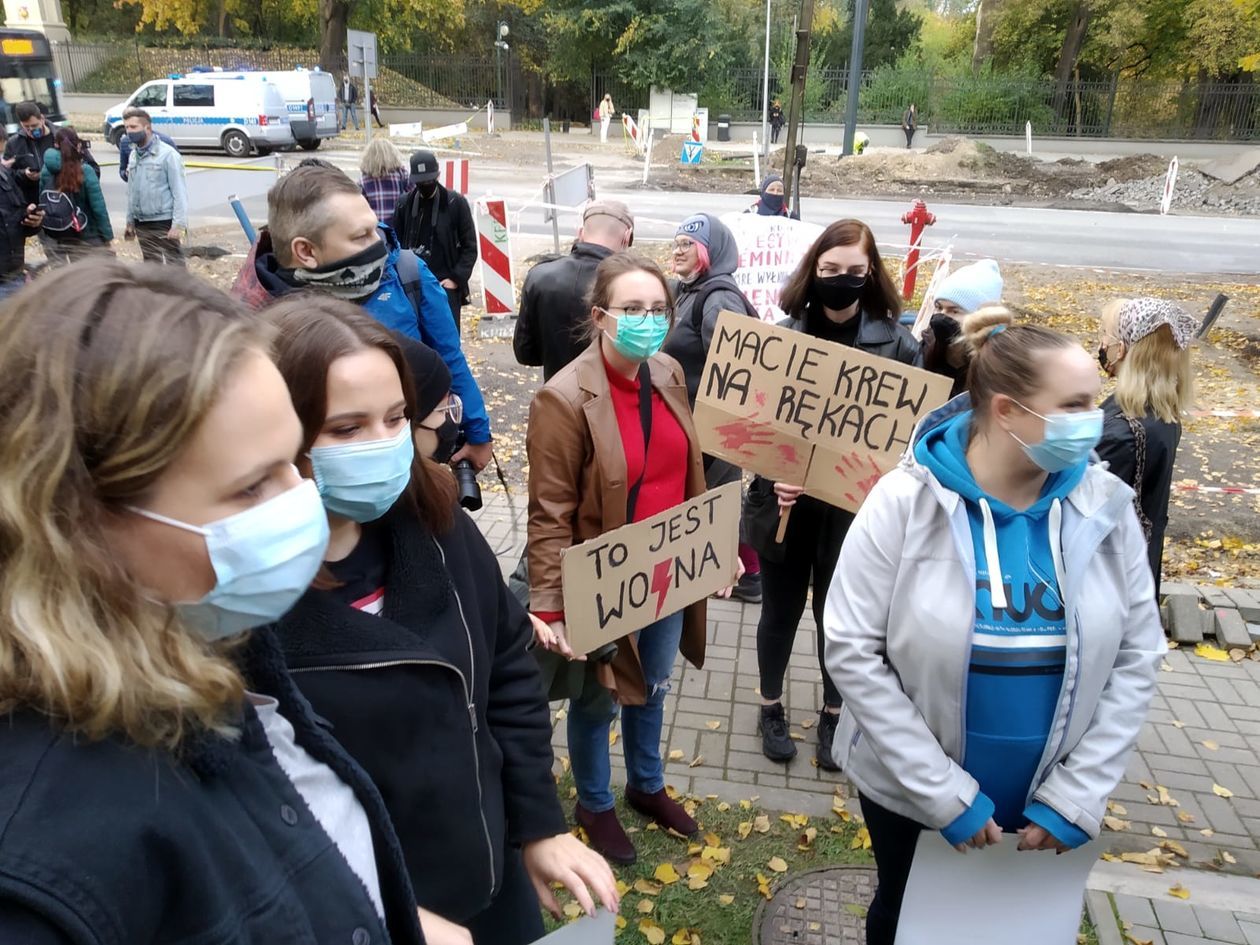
[
  {"x": 841, "y": 293},
  {"x": 591, "y": 470},
  {"x": 992, "y": 624},
  {"x": 1145, "y": 346},
  {"x": 75, "y": 216},
  {"x": 411, "y": 646},
  {"x": 163, "y": 779}
]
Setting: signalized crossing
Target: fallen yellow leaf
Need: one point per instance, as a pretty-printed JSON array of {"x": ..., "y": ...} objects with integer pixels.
[
  {"x": 724, "y": 807},
  {"x": 1209, "y": 652},
  {"x": 695, "y": 884},
  {"x": 1159, "y": 832},
  {"x": 1177, "y": 723},
  {"x": 1165, "y": 798},
  {"x": 800, "y": 902},
  {"x": 612, "y": 737},
  {"x": 647, "y": 887},
  {"x": 1118, "y": 809},
  {"x": 654, "y": 934},
  {"x": 806, "y": 841},
  {"x": 682, "y": 937},
  {"x": 808, "y": 723},
  {"x": 696, "y": 762},
  {"x": 1134, "y": 940},
  {"x": 761, "y": 823},
  {"x": 713, "y": 726},
  {"x": 745, "y": 805},
  {"x": 745, "y": 828},
  {"x": 666, "y": 874},
  {"x": 1179, "y": 891},
  {"x": 1115, "y": 823},
  {"x": 572, "y": 910},
  {"x": 622, "y": 888},
  {"x": 862, "y": 841},
  {"x": 1208, "y": 832},
  {"x": 778, "y": 864},
  {"x": 621, "y": 922},
  {"x": 646, "y": 906},
  {"x": 1185, "y": 817},
  {"x": 699, "y": 870},
  {"x": 1221, "y": 791},
  {"x": 718, "y": 855},
  {"x": 676, "y": 755},
  {"x": 1210, "y": 745},
  {"x": 712, "y": 840},
  {"x": 726, "y": 899},
  {"x": 1227, "y": 857},
  {"x": 1172, "y": 846},
  {"x": 763, "y": 887}
]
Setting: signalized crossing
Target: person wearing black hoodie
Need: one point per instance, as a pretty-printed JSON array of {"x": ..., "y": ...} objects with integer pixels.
[
  {"x": 841, "y": 293},
  {"x": 772, "y": 202},
  {"x": 418, "y": 661}
]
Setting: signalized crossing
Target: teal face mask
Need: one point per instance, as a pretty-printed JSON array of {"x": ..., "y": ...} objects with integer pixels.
[
  {"x": 638, "y": 337},
  {"x": 264, "y": 559},
  {"x": 1069, "y": 439},
  {"x": 361, "y": 481}
]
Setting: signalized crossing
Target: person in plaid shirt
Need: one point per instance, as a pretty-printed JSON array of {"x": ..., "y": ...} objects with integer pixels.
[{"x": 384, "y": 177}]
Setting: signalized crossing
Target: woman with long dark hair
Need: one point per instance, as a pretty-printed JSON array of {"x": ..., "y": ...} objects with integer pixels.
[
  {"x": 75, "y": 216},
  {"x": 840, "y": 292}
]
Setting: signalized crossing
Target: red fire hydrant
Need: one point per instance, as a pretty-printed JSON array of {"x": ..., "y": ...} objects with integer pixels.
[{"x": 917, "y": 218}]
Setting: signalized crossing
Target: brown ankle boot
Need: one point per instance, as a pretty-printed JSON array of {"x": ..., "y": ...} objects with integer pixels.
[
  {"x": 607, "y": 836},
  {"x": 669, "y": 814}
]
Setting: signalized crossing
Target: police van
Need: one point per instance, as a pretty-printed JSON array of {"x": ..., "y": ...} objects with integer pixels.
[
  {"x": 238, "y": 112},
  {"x": 311, "y": 97}
]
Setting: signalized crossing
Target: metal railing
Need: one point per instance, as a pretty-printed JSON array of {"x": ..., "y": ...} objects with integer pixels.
[{"x": 992, "y": 105}]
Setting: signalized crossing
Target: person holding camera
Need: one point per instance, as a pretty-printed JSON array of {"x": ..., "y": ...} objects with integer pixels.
[
  {"x": 410, "y": 645},
  {"x": 591, "y": 471}
]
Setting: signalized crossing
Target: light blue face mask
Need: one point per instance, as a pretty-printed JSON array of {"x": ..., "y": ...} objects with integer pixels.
[
  {"x": 639, "y": 337},
  {"x": 264, "y": 559},
  {"x": 1068, "y": 440},
  {"x": 362, "y": 481}
]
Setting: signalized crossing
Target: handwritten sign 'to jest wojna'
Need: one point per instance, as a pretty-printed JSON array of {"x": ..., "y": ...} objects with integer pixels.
[
  {"x": 632, "y": 576},
  {"x": 814, "y": 413}
]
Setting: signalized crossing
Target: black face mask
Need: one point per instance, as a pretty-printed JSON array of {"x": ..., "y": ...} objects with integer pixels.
[
  {"x": 448, "y": 439},
  {"x": 838, "y": 292},
  {"x": 1103, "y": 360},
  {"x": 945, "y": 329},
  {"x": 428, "y": 189}
]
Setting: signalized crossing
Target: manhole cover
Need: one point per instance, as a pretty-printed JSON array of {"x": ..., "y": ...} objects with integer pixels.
[{"x": 821, "y": 907}]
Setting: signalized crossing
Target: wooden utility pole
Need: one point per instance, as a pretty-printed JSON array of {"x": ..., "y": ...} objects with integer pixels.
[{"x": 796, "y": 107}]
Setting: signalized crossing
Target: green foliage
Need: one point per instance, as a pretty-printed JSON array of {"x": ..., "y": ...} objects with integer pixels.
[
  {"x": 890, "y": 31},
  {"x": 973, "y": 103}
]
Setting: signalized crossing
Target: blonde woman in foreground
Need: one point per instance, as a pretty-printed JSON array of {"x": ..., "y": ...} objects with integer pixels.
[{"x": 163, "y": 781}]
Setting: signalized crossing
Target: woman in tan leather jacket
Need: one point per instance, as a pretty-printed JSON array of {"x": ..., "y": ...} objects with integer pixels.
[{"x": 586, "y": 445}]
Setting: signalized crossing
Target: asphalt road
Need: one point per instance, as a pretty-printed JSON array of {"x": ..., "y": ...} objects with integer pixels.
[{"x": 1112, "y": 240}]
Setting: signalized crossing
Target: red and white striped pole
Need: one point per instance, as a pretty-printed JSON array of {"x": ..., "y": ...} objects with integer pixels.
[
  {"x": 455, "y": 174},
  {"x": 495, "y": 241}
]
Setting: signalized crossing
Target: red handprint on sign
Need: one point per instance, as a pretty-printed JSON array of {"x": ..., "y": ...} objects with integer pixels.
[
  {"x": 741, "y": 433},
  {"x": 862, "y": 472}
]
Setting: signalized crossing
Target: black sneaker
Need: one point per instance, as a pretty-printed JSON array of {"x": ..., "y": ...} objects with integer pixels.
[
  {"x": 748, "y": 589},
  {"x": 826, "y": 735},
  {"x": 776, "y": 744}
]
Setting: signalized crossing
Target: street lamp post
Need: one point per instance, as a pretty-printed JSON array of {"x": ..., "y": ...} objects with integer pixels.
[
  {"x": 500, "y": 45},
  {"x": 765, "y": 91}
]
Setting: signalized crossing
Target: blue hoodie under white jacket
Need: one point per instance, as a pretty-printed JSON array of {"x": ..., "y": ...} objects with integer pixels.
[{"x": 962, "y": 700}]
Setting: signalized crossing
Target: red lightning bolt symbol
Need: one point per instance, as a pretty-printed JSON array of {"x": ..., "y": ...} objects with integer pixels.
[{"x": 660, "y": 583}]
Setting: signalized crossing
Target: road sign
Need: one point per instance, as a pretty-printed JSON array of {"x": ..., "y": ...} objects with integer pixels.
[
  {"x": 362, "y": 48},
  {"x": 692, "y": 152}
]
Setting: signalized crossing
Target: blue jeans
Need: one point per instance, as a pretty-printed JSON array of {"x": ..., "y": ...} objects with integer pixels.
[
  {"x": 349, "y": 113},
  {"x": 591, "y": 715}
]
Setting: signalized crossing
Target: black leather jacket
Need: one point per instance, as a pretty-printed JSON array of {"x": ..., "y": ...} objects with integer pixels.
[{"x": 551, "y": 328}]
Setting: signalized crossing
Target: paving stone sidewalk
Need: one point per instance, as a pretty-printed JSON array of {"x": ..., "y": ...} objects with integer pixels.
[{"x": 1202, "y": 739}]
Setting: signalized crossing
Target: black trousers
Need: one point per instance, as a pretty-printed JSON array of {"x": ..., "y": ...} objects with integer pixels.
[
  {"x": 909, "y": 135},
  {"x": 453, "y": 297},
  {"x": 155, "y": 245},
  {"x": 893, "y": 840},
  {"x": 774, "y": 133},
  {"x": 514, "y": 917},
  {"x": 815, "y": 533}
]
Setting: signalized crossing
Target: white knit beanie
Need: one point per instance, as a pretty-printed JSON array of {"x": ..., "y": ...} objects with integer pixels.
[{"x": 972, "y": 286}]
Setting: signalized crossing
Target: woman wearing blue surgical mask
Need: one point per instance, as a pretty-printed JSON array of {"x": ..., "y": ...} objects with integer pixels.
[
  {"x": 163, "y": 779},
  {"x": 611, "y": 441},
  {"x": 992, "y": 624},
  {"x": 411, "y": 646}
]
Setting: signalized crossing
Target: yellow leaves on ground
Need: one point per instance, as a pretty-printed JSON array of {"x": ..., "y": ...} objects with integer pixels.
[
  {"x": 1210, "y": 745},
  {"x": 763, "y": 887},
  {"x": 745, "y": 828},
  {"x": 1222, "y": 791},
  {"x": 720, "y": 856},
  {"x": 676, "y": 755},
  {"x": 1225, "y": 858},
  {"x": 696, "y": 761},
  {"x": 761, "y": 823},
  {"x": 1115, "y": 808},
  {"x": 646, "y": 906},
  {"x": 712, "y": 840},
  {"x": 862, "y": 841},
  {"x": 654, "y": 934},
  {"x": 808, "y": 723},
  {"x": 1134, "y": 940},
  {"x": 647, "y": 887},
  {"x": 622, "y": 888},
  {"x": 726, "y": 900},
  {"x": 724, "y": 807},
  {"x": 778, "y": 864},
  {"x": 1185, "y": 817},
  {"x": 805, "y": 842},
  {"x": 685, "y": 937},
  {"x": 612, "y": 737},
  {"x": 1152, "y": 861},
  {"x": 666, "y": 874},
  {"x": 794, "y": 820},
  {"x": 572, "y": 910},
  {"x": 1159, "y": 832},
  {"x": 801, "y": 902},
  {"x": 1115, "y": 823},
  {"x": 1179, "y": 891},
  {"x": 713, "y": 725},
  {"x": 1209, "y": 652}
]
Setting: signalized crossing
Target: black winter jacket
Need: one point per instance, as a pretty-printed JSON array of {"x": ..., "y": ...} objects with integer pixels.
[
  {"x": 452, "y": 250},
  {"x": 108, "y": 844},
  {"x": 1118, "y": 449},
  {"x": 28, "y": 152},
  {"x": 878, "y": 336},
  {"x": 13, "y": 232},
  {"x": 551, "y": 328},
  {"x": 441, "y": 703}
]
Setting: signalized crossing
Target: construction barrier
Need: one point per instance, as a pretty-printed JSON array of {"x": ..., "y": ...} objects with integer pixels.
[
  {"x": 495, "y": 242},
  {"x": 632, "y": 131},
  {"x": 455, "y": 174}
]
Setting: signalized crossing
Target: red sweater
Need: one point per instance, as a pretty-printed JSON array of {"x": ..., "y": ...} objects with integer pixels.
[{"x": 665, "y": 482}]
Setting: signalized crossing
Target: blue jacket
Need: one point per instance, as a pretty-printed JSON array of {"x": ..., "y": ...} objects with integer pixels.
[
  {"x": 156, "y": 189},
  {"x": 124, "y": 151},
  {"x": 390, "y": 305}
]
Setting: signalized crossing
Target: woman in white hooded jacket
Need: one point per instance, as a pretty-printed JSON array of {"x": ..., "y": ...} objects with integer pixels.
[{"x": 979, "y": 706}]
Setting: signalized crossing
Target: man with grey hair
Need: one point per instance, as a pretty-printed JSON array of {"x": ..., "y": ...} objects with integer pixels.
[
  {"x": 551, "y": 328},
  {"x": 322, "y": 235}
]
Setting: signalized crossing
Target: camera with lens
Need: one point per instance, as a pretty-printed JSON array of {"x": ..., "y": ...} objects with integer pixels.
[{"x": 468, "y": 489}]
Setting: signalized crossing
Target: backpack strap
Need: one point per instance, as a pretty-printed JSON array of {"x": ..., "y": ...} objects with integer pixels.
[
  {"x": 409, "y": 276},
  {"x": 717, "y": 285}
]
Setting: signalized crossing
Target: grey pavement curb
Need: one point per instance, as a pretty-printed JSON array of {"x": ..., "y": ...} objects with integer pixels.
[{"x": 1103, "y": 917}]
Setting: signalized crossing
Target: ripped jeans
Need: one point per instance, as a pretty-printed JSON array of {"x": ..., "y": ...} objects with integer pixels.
[{"x": 591, "y": 715}]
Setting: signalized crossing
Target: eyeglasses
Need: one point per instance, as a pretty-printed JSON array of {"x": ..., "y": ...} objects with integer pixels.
[
  {"x": 634, "y": 316},
  {"x": 681, "y": 246},
  {"x": 454, "y": 407}
]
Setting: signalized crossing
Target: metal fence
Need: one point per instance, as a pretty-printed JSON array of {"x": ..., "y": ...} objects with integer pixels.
[
  {"x": 406, "y": 79},
  {"x": 990, "y": 105}
]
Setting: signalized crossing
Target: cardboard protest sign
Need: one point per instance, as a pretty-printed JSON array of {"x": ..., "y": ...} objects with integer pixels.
[
  {"x": 632, "y": 576},
  {"x": 769, "y": 250},
  {"x": 798, "y": 409}
]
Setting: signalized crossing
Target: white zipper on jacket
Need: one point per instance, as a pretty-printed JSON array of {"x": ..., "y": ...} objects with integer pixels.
[
  {"x": 472, "y": 712},
  {"x": 997, "y": 587}
]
